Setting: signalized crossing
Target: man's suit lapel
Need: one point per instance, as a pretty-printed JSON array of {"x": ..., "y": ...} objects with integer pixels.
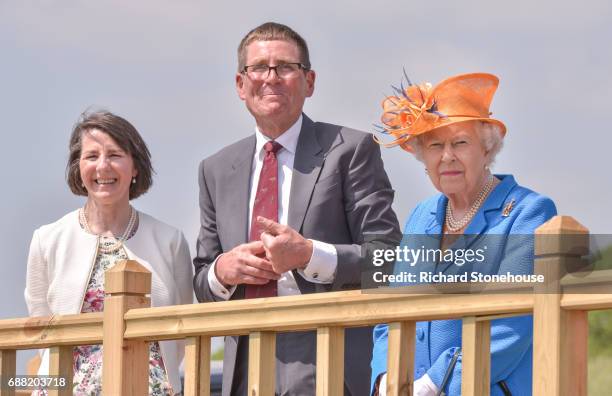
[
  {"x": 237, "y": 194},
  {"x": 306, "y": 168}
]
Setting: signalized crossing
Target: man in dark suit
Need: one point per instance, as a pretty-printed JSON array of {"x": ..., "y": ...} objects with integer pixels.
[{"x": 288, "y": 210}]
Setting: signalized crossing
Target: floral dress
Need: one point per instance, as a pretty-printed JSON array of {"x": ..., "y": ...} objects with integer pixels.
[{"x": 87, "y": 363}]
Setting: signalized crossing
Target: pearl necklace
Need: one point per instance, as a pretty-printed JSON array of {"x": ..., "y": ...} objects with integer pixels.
[
  {"x": 453, "y": 225},
  {"x": 112, "y": 247}
]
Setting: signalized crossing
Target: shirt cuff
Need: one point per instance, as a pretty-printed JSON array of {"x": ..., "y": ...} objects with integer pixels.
[
  {"x": 215, "y": 286},
  {"x": 322, "y": 265}
]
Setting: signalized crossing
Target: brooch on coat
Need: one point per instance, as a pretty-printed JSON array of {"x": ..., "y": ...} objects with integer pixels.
[{"x": 508, "y": 208}]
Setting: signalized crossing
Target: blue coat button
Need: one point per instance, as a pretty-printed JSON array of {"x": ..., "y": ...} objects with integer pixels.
[{"x": 420, "y": 334}]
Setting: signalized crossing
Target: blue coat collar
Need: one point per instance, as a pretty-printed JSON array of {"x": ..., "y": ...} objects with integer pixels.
[{"x": 479, "y": 223}]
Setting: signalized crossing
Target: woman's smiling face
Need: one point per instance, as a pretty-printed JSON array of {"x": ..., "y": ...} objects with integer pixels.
[{"x": 105, "y": 168}]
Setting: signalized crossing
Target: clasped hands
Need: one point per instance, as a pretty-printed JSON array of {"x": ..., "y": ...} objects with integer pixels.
[{"x": 280, "y": 249}]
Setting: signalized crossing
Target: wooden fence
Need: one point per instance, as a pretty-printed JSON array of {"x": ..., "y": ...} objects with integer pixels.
[{"x": 559, "y": 344}]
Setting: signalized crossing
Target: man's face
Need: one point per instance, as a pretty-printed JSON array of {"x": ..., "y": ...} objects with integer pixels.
[{"x": 274, "y": 102}]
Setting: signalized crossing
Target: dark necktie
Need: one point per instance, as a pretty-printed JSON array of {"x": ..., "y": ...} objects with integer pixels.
[{"x": 266, "y": 205}]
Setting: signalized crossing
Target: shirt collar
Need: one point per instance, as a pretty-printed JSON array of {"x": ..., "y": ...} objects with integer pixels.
[{"x": 288, "y": 139}]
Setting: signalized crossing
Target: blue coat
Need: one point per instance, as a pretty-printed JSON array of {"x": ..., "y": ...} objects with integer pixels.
[{"x": 511, "y": 339}]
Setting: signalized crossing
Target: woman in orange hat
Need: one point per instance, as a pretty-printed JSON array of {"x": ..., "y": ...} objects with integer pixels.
[{"x": 448, "y": 128}]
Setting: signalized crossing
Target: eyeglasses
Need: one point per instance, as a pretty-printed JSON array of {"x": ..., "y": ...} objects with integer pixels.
[{"x": 283, "y": 70}]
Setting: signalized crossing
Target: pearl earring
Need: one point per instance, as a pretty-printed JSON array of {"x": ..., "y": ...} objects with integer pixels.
[{"x": 133, "y": 180}]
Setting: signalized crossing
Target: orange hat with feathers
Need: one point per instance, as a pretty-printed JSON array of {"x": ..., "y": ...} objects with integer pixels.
[{"x": 422, "y": 108}]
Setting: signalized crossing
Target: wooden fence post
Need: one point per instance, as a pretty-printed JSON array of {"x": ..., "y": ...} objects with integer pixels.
[
  {"x": 197, "y": 366},
  {"x": 125, "y": 369},
  {"x": 559, "y": 336},
  {"x": 476, "y": 357},
  {"x": 262, "y": 363},
  {"x": 60, "y": 365}
]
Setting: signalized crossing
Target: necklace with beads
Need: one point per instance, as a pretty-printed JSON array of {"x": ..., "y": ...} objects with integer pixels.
[
  {"x": 453, "y": 225},
  {"x": 110, "y": 247}
]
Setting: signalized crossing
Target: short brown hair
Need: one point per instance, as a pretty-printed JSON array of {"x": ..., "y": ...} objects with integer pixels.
[
  {"x": 125, "y": 135},
  {"x": 270, "y": 31}
]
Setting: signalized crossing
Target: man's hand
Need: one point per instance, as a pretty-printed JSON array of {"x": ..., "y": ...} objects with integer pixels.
[
  {"x": 285, "y": 248},
  {"x": 245, "y": 263}
]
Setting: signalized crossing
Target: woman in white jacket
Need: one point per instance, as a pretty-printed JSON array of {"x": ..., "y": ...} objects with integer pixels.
[{"x": 110, "y": 164}]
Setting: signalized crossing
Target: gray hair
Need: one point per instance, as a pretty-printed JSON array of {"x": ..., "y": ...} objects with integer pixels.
[{"x": 490, "y": 135}]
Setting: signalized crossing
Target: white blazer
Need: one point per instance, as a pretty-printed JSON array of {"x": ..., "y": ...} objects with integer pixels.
[{"x": 62, "y": 255}]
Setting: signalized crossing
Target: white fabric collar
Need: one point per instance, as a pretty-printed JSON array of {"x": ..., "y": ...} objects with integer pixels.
[{"x": 289, "y": 138}]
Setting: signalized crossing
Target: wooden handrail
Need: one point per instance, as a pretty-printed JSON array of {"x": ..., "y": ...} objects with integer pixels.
[
  {"x": 400, "y": 362},
  {"x": 293, "y": 313},
  {"x": 588, "y": 292},
  {"x": 46, "y": 331}
]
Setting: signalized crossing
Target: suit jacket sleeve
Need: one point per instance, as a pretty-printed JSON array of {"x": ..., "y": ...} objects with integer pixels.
[
  {"x": 370, "y": 218},
  {"x": 208, "y": 246}
]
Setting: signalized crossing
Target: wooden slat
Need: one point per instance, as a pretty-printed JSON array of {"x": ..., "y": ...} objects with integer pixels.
[
  {"x": 476, "y": 357},
  {"x": 7, "y": 370},
  {"x": 60, "y": 365},
  {"x": 197, "y": 366},
  {"x": 330, "y": 361},
  {"x": 345, "y": 309},
  {"x": 262, "y": 363},
  {"x": 546, "y": 345},
  {"x": 400, "y": 358},
  {"x": 574, "y": 352}
]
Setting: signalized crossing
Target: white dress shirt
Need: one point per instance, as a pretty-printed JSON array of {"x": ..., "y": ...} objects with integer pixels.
[{"x": 322, "y": 265}]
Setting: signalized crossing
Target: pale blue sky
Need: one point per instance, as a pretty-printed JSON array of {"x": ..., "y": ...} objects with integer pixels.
[{"x": 168, "y": 67}]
